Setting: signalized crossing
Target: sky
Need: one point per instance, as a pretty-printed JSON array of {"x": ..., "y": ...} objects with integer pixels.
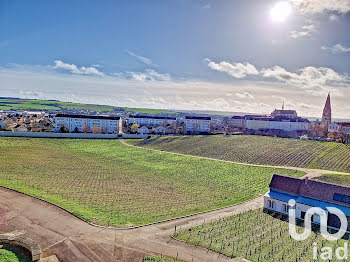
[{"x": 222, "y": 55}]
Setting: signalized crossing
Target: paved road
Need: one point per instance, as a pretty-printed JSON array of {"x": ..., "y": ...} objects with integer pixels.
[{"x": 71, "y": 239}]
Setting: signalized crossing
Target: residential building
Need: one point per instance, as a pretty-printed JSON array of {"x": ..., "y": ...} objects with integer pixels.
[
  {"x": 198, "y": 124},
  {"x": 277, "y": 123},
  {"x": 327, "y": 112},
  {"x": 238, "y": 121},
  {"x": 338, "y": 127},
  {"x": 143, "y": 120},
  {"x": 85, "y": 123},
  {"x": 143, "y": 130},
  {"x": 307, "y": 194}
]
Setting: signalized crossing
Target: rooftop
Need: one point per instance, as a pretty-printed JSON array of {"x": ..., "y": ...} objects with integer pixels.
[{"x": 89, "y": 116}]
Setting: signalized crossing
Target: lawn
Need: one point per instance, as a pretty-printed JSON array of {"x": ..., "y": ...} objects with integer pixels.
[
  {"x": 12, "y": 253},
  {"x": 256, "y": 236},
  {"x": 259, "y": 150},
  {"x": 108, "y": 183},
  {"x": 335, "y": 179}
]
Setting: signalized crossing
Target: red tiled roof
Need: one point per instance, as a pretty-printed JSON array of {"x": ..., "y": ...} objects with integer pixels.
[
  {"x": 286, "y": 184},
  {"x": 322, "y": 190},
  {"x": 309, "y": 188}
]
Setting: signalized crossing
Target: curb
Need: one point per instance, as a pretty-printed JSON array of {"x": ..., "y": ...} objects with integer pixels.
[{"x": 129, "y": 228}]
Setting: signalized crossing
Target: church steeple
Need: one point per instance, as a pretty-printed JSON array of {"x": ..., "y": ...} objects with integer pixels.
[{"x": 327, "y": 112}]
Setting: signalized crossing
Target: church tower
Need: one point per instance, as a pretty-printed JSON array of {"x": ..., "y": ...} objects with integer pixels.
[{"x": 327, "y": 112}]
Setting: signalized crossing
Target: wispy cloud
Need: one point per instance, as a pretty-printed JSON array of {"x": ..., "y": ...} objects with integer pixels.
[
  {"x": 142, "y": 59},
  {"x": 77, "y": 70},
  {"x": 149, "y": 75},
  {"x": 336, "y": 49},
  {"x": 244, "y": 95},
  {"x": 306, "y": 31},
  {"x": 320, "y": 6}
]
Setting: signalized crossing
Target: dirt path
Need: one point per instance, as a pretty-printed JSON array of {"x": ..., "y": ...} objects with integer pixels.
[
  {"x": 71, "y": 239},
  {"x": 311, "y": 173}
]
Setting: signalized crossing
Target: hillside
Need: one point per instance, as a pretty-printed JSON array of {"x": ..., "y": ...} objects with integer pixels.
[
  {"x": 259, "y": 150},
  {"x": 31, "y": 104}
]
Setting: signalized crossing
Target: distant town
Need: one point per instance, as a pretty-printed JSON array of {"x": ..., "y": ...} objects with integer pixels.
[{"x": 280, "y": 123}]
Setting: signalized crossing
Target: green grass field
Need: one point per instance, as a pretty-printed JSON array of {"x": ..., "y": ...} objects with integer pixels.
[
  {"x": 29, "y": 104},
  {"x": 256, "y": 236},
  {"x": 259, "y": 150},
  {"x": 106, "y": 182},
  {"x": 12, "y": 253},
  {"x": 335, "y": 179}
]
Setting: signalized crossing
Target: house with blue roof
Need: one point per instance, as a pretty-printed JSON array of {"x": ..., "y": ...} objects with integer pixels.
[{"x": 307, "y": 193}]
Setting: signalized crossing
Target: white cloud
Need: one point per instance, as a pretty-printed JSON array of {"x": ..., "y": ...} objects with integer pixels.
[
  {"x": 320, "y": 6},
  {"x": 142, "y": 59},
  {"x": 336, "y": 49},
  {"x": 236, "y": 70},
  {"x": 207, "y": 6},
  {"x": 309, "y": 77},
  {"x": 306, "y": 31},
  {"x": 333, "y": 17},
  {"x": 76, "y": 70},
  {"x": 244, "y": 95},
  {"x": 150, "y": 75}
]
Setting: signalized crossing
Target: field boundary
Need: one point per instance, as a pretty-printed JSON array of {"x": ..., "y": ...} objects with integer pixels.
[{"x": 136, "y": 227}]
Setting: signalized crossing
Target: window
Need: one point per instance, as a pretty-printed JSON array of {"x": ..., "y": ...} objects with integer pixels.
[
  {"x": 341, "y": 198},
  {"x": 285, "y": 208},
  {"x": 271, "y": 204}
]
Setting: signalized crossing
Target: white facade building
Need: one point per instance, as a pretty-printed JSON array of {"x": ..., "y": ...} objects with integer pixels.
[
  {"x": 343, "y": 128},
  {"x": 307, "y": 194},
  {"x": 197, "y": 124},
  {"x": 151, "y": 120},
  {"x": 107, "y": 124},
  {"x": 288, "y": 125},
  {"x": 143, "y": 130}
]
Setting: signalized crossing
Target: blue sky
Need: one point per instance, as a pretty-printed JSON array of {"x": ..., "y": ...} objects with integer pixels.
[{"x": 182, "y": 54}]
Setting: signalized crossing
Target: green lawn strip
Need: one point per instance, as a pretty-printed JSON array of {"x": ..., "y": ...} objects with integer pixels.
[
  {"x": 12, "y": 253},
  {"x": 335, "y": 179},
  {"x": 107, "y": 182},
  {"x": 255, "y": 236}
]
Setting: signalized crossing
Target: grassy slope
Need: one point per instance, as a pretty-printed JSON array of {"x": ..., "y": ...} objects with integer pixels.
[
  {"x": 99, "y": 179},
  {"x": 259, "y": 150},
  {"x": 255, "y": 236},
  {"x": 29, "y": 104},
  {"x": 335, "y": 179}
]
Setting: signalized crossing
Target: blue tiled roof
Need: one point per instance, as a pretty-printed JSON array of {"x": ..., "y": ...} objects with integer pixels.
[
  {"x": 280, "y": 196},
  {"x": 317, "y": 203}
]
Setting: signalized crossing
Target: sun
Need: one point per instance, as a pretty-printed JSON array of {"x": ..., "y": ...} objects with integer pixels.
[{"x": 280, "y": 11}]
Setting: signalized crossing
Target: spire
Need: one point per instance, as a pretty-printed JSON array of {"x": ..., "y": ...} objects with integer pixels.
[
  {"x": 283, "y": 106},
  {"x": 327, "y": 112}
]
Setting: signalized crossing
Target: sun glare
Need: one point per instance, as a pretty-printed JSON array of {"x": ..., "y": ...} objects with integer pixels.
[{"x": 280, "y": 11}]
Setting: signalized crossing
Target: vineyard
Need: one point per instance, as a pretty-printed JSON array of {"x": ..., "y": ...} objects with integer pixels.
[
  {"x": 259, "y": 150},
  {"x": 111, "y": 184},
  {"x": 256, "y": 236}
]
